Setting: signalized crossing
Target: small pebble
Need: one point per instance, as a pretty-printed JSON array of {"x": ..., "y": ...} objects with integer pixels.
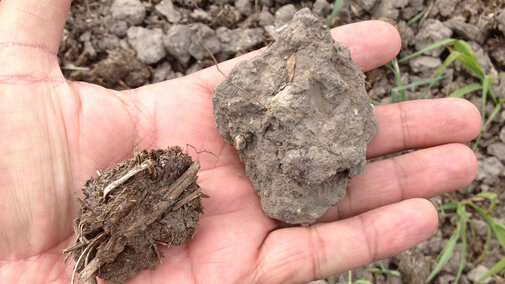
[
  {"x": 148, "y": 43},
  {"x": 131, "y": 11}
]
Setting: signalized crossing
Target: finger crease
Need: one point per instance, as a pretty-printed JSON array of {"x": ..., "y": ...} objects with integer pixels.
[
  {"x": 40, "y": 47},
  {"x": 29, "y": 79},
  {"x": 316, "y": 244},
  {"x": 371, "y": 245},
  {"x": 399, "y": 177},
  {"x": 261, "y": 262},
  {"x": 404, "y": 126}
]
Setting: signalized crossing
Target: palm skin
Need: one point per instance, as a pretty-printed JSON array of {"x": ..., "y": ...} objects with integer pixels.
[{"x": 55, "y": 134}]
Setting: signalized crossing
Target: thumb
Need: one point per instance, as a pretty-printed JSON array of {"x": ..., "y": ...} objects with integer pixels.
[{"x": 30, "y": 33}]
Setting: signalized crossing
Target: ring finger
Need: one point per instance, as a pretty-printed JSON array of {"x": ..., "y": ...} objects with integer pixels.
[{"x": 424, "y": 173}]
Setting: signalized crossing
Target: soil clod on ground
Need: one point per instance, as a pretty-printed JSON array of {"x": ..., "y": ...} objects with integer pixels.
[
  {"x": 300, "y": 118},
  {"x": 130, "y": 209}
]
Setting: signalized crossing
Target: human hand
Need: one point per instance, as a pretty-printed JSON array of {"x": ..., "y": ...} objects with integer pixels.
[{"x": 55, "y": 134}]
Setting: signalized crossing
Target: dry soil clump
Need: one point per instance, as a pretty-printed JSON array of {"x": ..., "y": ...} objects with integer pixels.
[
  {"x": 130, "y": 209},
  {"x": 300, "y": 118}
]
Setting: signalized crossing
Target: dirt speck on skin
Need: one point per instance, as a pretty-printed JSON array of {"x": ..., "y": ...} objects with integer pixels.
[
  {"x": 300, "y": 118},
  {"x": 130, "y": 209}
]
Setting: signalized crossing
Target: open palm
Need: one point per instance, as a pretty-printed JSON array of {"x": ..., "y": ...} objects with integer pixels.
[{"x": 55, "y": 134}]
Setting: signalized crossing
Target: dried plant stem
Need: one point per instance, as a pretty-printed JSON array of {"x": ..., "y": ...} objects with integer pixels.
[
  {"x": 183, "y": 182},
  {"x": 87, "y": 273},
  {"x": 158, "y": 255},
  {"x": 137, "y": 169},
  {"x": 86, "y": 250},
  {"x": 187, "y": 199},
  {"x": 199, "y": 152},
  {"x": 66, "y": 258},
  {"x": 166, "y": 244},
  {"x": 74, "y": 247},
  {"x": 87, "y": 255},
  {"x": 170, "y": 195},
  {"x": 426, "y": 14},
  {"x": 77, "y": 265},
  {"x": 75, "y": 68}
]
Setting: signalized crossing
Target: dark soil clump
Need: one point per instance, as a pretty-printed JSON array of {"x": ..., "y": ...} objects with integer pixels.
[{"x": 128, "y": 210}]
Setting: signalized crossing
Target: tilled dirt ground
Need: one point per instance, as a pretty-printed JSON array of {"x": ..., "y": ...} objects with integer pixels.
[{"x": 124, "y": 44}]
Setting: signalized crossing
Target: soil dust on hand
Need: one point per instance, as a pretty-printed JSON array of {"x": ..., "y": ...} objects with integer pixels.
[
  {"x": 130, "y": 209},
  {"x": 300, "y": 118}
]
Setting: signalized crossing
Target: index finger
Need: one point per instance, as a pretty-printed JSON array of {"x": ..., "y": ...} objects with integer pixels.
[{"x": 372, "y": 44}]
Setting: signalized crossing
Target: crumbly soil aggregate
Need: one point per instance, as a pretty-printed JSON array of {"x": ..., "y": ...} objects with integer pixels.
[
  {"x": 95, "y": 48},
  {"x": 131, "y": 209},
  {"x": 300, "y": 123}
]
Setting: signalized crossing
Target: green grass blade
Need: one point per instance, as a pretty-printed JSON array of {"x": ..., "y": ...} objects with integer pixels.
[
  {"x": 449, "y": 215},
  {"x": 403, "y": 95},
  {"x": 362, "y": 281},
  {"x": 469, "y": 64},
  {"x": 394, "y": 96},
  {"x": 384, "y": 270},
  {"x": 487, "y": 82},
  {"x": 497, "y": 227},
  {"x": 472, "y": 231},
  {"x": 375, "y": 271},
  {"x": 454, "y": 55},
  {"x": 336, "y": 7},
  {"x": 396, "y": 71},
  {"x": 417, "y": 17},
  {"x": 461, "y": 211},
  {"x": 465, "y": 90},
  {"x": 499, "y": 266},
  {"x": 394, "y": 273},
  {"x": 486, "y": 245},
  {"x": 419, "y": 82},
  {"x": 420, "y": 15},
  {"x": 431, "y": 84},
  {"x": 374, "y": 102},
  {"x": 463, "y": 47},
  {"x": 452, "y": 205},
  {"x": 493, "y": 197},
  {"x": 496, "y": 110},
  {"x": 445, "y": 254},
  {"x": 428, "y": 48},
  {"x": 492, "y": 96},
  {"x": 468, "y": 59},
  {"x": 463, "y": 250},
  {"x": 499, "y": 232},
  {"x": 477, "y": 141}
]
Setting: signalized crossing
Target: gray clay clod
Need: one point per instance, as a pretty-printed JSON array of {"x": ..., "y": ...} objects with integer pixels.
[{"x": 300, "y": 119}]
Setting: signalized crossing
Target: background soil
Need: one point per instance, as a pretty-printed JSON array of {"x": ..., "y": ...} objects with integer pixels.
[{"x": 124, "y": 44}]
